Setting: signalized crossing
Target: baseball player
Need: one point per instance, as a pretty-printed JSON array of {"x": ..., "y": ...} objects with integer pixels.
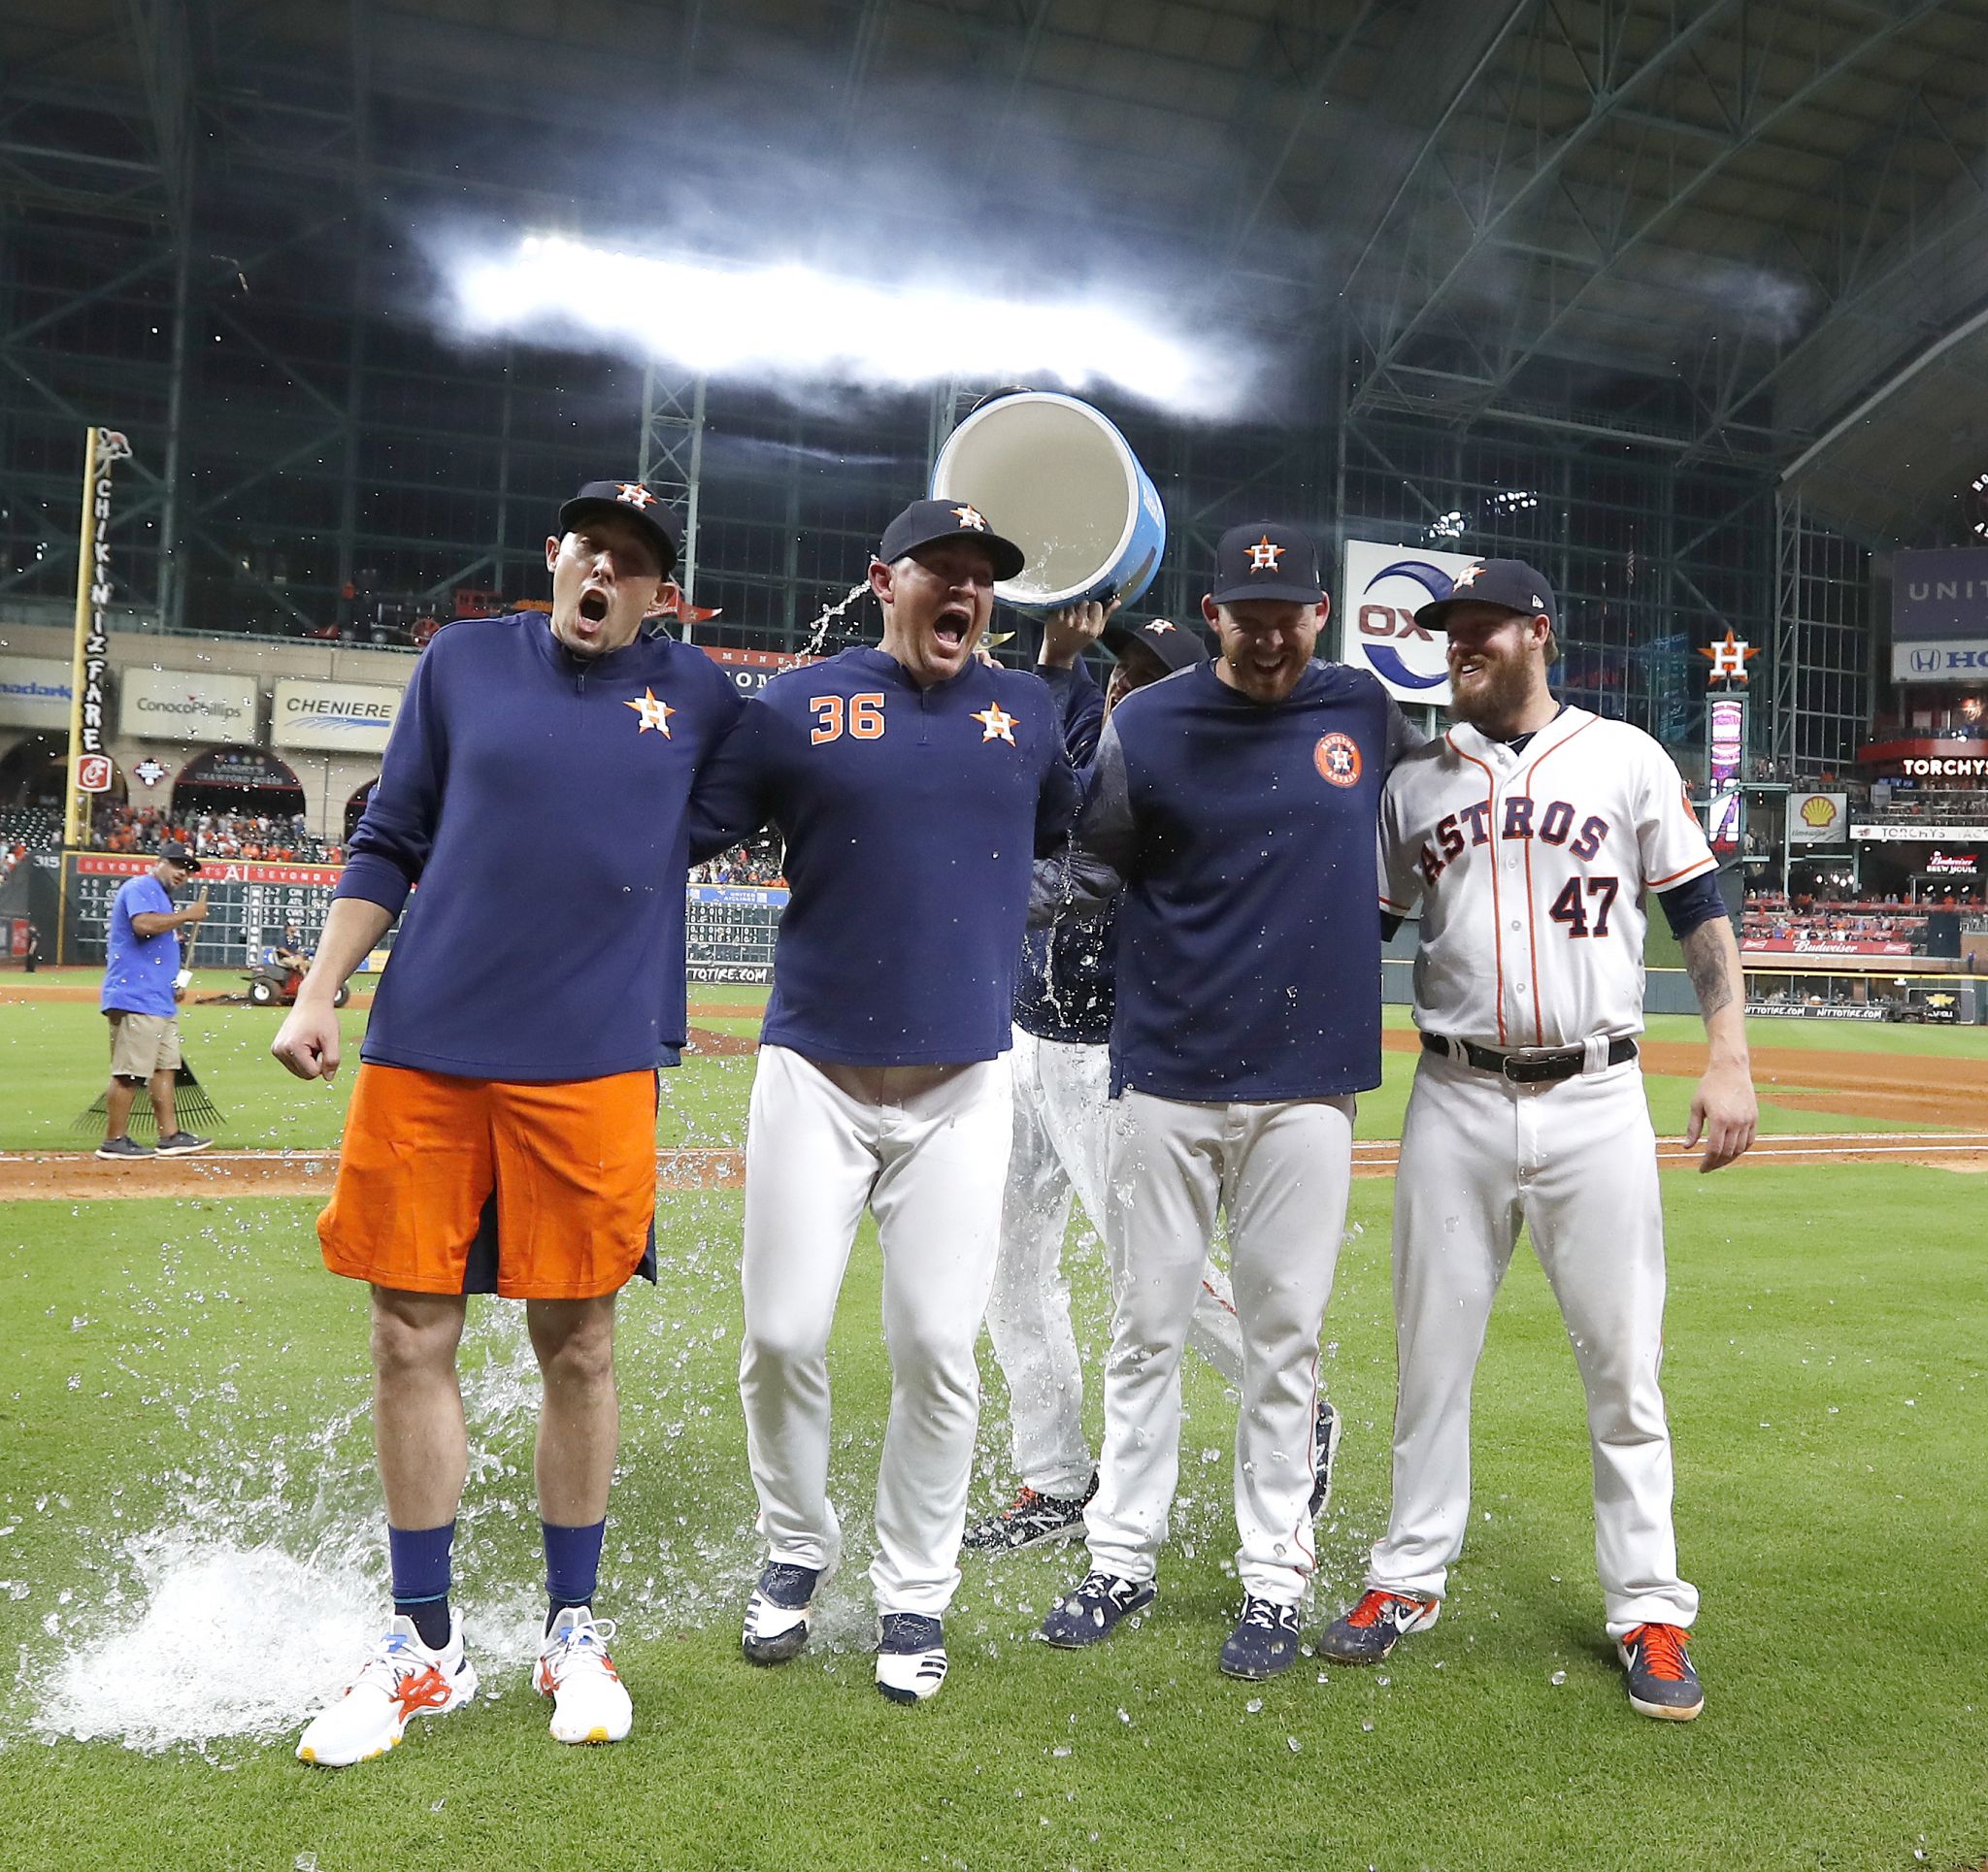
[
  {"x": 1528, "y": 835},
  {"x": 1061, "y": 1068},
  {"x": 1234, "y": 803},
  {"x": 913, "y": 784},
  {"x": 502, "y": 1134}
]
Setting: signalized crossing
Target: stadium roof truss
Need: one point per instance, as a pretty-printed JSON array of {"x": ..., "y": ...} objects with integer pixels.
[{"x": 1740, "y": 235}]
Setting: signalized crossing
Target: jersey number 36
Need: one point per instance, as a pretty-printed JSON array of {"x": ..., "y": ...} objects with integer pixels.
[{"x": 864, "y": 716}]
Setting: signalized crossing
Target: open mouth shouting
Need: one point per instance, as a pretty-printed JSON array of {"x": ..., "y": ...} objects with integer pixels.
[{"x": 951, "y": 629}]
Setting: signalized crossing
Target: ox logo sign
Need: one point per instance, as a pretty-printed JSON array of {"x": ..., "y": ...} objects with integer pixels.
[{"x": 1384, "y": 587}]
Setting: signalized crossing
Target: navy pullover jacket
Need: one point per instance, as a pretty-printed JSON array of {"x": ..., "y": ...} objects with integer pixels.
[
  {"x": 1063, "y": 992},
  {"x": 539, "y": 801},
  {"x": 1243, "y": 837},
  {"x": 912, "y": 817}
]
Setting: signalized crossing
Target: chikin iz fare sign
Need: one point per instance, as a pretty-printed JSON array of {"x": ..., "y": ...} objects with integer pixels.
[{"x": 89, "y": 761}]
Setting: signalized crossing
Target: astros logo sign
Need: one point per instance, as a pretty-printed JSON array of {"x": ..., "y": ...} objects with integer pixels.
[{"x": 1386, "y": 585}]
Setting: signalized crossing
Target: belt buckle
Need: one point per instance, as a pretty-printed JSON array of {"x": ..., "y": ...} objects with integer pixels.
[{"x": 1532, "y": 1067}]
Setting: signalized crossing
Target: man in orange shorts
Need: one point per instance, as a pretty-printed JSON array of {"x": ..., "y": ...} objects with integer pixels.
[{"x": 502, "y": 1134}]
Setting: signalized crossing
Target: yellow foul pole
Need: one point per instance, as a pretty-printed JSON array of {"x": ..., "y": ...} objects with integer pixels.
[{"x": 75, "y": 799}]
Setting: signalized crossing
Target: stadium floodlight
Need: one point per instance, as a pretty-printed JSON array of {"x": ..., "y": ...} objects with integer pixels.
[{"x": 790, "y": 321}]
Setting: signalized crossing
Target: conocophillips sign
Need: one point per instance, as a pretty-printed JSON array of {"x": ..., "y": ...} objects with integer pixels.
[
  {"x": 186, "y": 705},
  {"x": 1384, "y": 587},
  {"x": 340, "y": 717}
]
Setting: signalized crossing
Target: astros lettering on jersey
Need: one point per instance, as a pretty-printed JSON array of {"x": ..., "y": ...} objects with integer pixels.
[{"x": 1547, "y": 851}]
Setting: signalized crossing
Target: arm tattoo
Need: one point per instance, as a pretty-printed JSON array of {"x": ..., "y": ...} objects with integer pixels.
[{"x": 1705, "y": 962}]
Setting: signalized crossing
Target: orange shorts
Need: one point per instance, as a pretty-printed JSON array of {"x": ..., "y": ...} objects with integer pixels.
[{"x": 483, "y": 1186}]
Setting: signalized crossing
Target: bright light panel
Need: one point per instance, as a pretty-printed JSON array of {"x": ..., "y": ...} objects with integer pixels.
[{"x": 793, "y": 321}]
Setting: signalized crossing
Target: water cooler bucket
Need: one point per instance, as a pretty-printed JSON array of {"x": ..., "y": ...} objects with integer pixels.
[{"x": 1058, "y": 479}]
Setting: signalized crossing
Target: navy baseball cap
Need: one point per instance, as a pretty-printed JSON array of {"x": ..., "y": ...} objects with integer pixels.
[
  {"x": 1267, "y": 560},
  {"x": 633, "y": 502},
  {"x": 1176, "y": 645},
  {"x": 1507, "y": 583},
  {"x": 180, "y": 855},
  {"x": 925, "y": 523}
]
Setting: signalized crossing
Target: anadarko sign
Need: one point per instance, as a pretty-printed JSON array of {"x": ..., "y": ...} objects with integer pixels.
[
  {"x": 186, "y": 705},
  {"x": 35, "y": 692},
  {"x": 340, "y": 717}
]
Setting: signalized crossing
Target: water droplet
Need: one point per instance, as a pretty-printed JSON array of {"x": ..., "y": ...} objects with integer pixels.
[{"x": 1558, "y": 1678}]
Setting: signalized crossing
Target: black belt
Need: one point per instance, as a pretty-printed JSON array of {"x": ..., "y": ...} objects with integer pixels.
[{"x": 1535, "y": 1069}]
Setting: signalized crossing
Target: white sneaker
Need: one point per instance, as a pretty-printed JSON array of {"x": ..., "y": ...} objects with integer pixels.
[
  {"x": 589, "y": 1701},
  {"x": 402, "y": 1679},
  {"x": 910, "y": 1657}
]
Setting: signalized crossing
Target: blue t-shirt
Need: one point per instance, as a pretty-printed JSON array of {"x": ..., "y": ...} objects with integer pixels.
[
  {"x": 912, "y": 817},
  {"x": 541, "y": 801},
  {"x": 138, "y": 971},
  {"x": 1243, "y": 835}
]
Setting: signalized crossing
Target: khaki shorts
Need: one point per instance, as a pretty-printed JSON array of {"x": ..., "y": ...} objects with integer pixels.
[{"x": 141, "y": 1044}]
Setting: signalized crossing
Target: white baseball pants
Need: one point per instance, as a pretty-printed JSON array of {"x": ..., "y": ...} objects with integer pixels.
[
  {"x": 1280, "y": 1174},
  {"x": 1576, "y": 1163},
  {"x": 926, "y": 1149},
  {"x": 1062, "y": 1099}
]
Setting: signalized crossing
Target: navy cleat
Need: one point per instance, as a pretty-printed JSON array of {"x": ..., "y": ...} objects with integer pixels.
[
  {"x": 910, "y": 1657},
  {"x": 1089, "y": 1614},
  {"x": 777, "y": 1617},
  {"x": 1325, "y": 1447},
  {"x": 1661, "y": 1680},
  {"x": 1263, "y": 1642},
  {"x": 1367, "y": 1633},
  {"x": 1030, "y": 1520}
]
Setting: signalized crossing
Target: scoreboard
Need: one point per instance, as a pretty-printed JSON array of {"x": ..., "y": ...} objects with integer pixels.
[
  {"x": 250, "y": 906},
  {"x": 731, "y": 929}
]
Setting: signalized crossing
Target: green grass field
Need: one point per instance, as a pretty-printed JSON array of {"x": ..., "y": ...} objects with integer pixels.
[{"x": 188, "y": 1530}]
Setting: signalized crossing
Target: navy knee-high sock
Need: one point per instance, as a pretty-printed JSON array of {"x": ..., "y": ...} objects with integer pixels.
[{"x": 420, "y": 1559}]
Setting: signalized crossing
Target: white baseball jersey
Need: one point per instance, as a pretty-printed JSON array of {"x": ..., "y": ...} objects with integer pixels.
[{"x": 1529, "y": 869}]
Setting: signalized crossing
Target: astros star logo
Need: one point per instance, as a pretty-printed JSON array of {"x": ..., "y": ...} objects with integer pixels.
[
  {"x": 1729, "y": 660},
  {"x": 1468, "y": 577},
  {"x": 1264, "y": 556},
  {"x": 997, "y": 724},
  {"x": 971, "y": 516},
  {"x": 635, "y": 494},
  {"x": 1158, "y": 625},
  {"x": 654, "y": 714}
]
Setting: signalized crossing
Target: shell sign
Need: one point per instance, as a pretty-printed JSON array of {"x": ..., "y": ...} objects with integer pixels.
[{"x": 1816, "y": 818}]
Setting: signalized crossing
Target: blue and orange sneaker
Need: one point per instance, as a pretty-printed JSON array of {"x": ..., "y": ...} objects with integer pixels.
[
  {"x": 1662, "y": 1682},
  {"x": 1367, "y": 1631}
]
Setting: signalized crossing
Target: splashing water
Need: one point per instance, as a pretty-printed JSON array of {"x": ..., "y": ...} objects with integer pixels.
[{"x": 818, "y": 631}]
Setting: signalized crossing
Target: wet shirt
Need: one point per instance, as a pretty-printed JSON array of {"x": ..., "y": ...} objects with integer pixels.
[
  {"x": 138, "y": 971},
  {"x": 1242, "y": 835},
  {"x": 912, "y": 817},
  {"x": 1064, "y": 990},
  {"x": 540, "y": 800}
]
